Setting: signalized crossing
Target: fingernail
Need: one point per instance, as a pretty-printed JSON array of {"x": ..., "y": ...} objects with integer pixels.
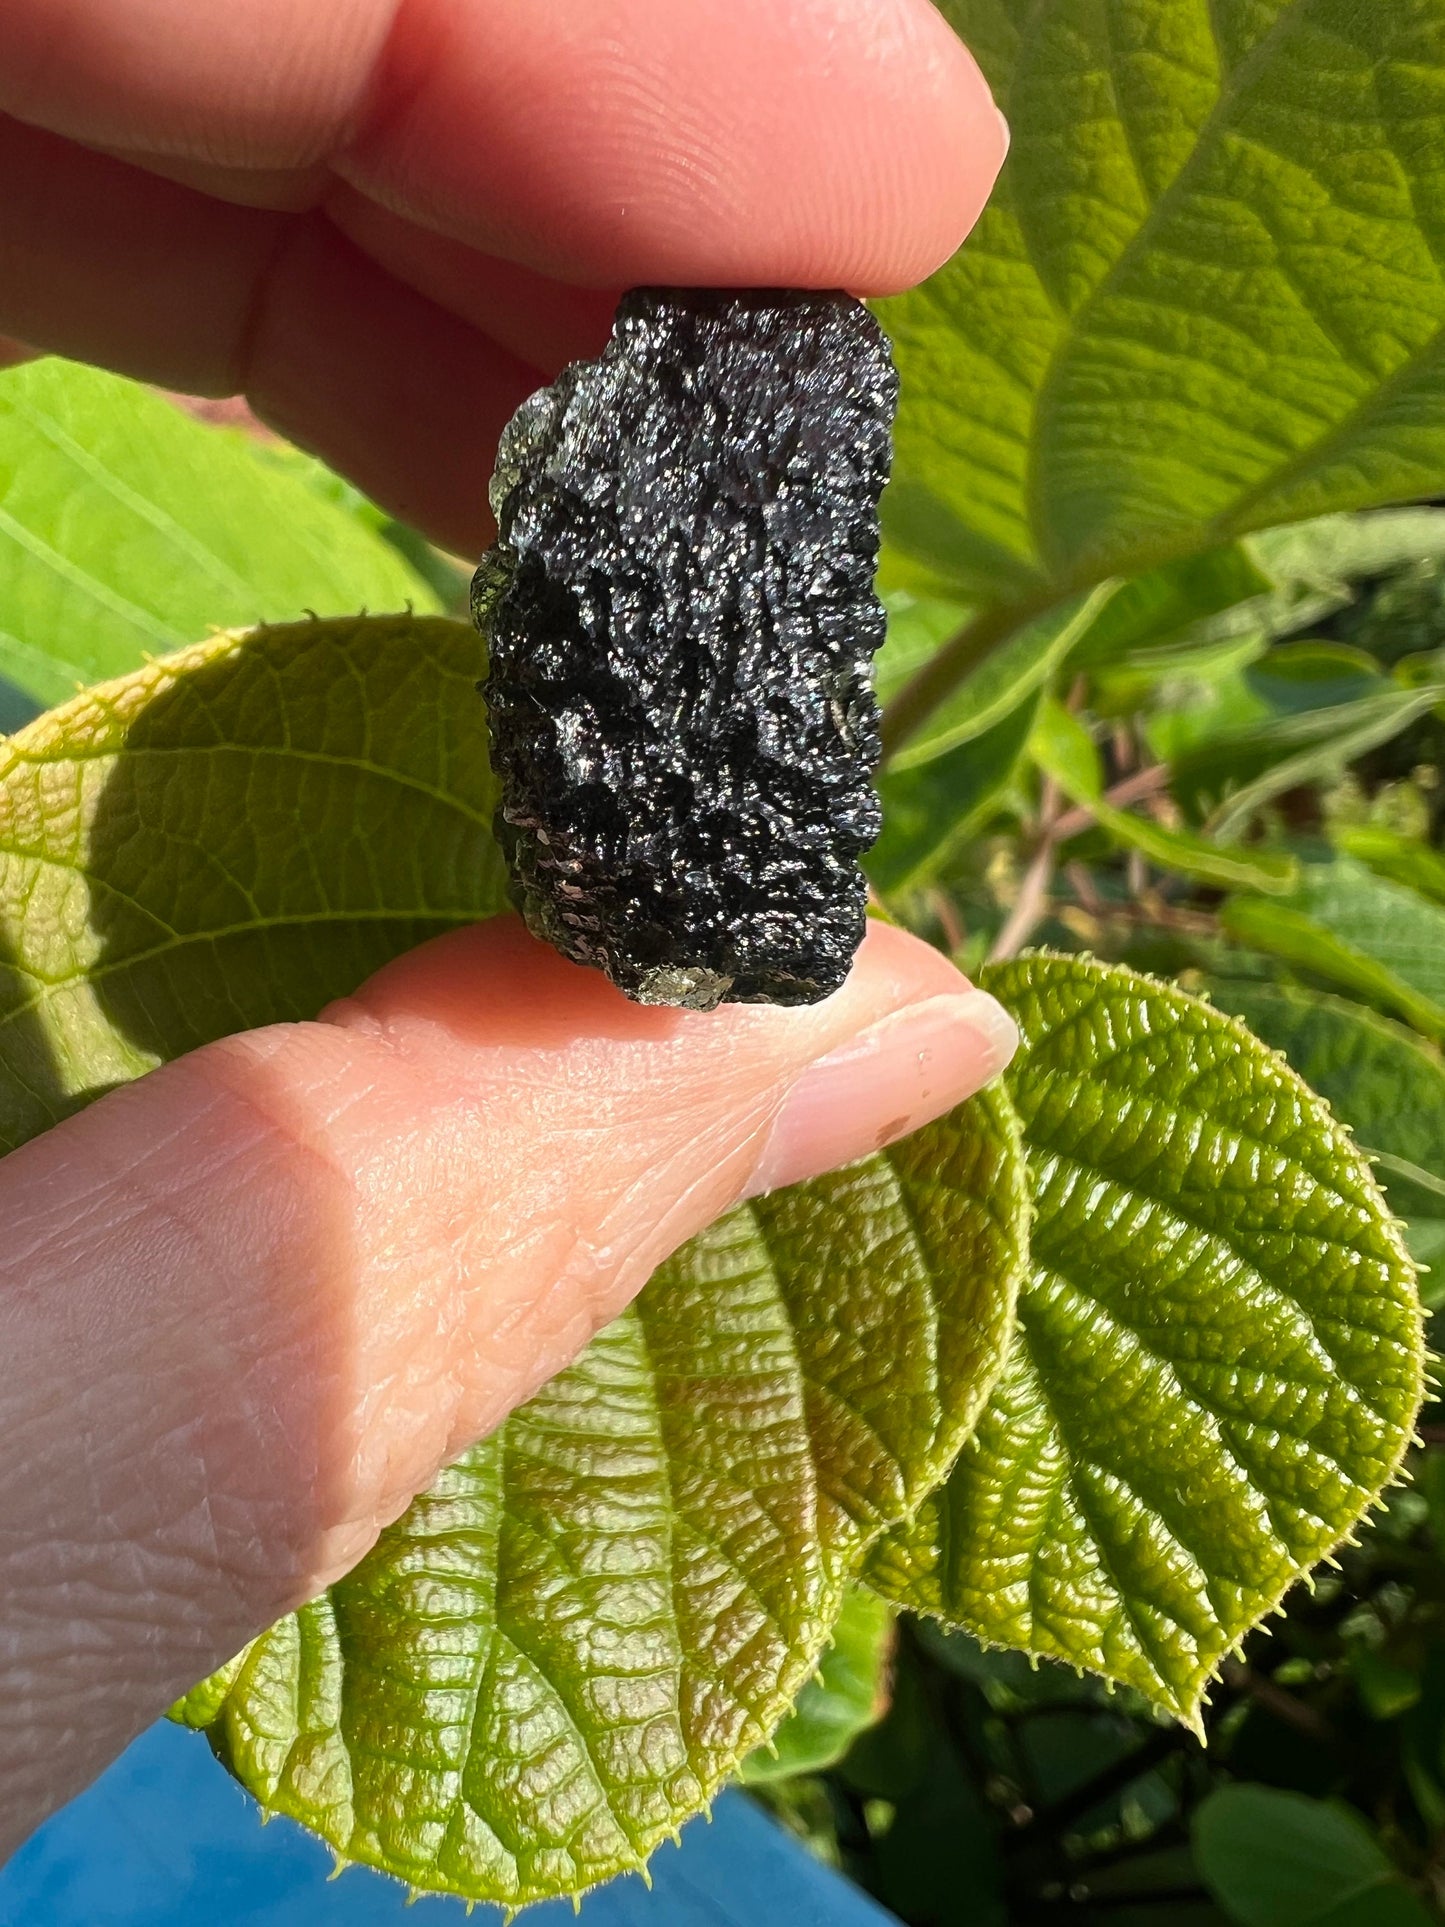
[{"x": 903, "y": 1072}]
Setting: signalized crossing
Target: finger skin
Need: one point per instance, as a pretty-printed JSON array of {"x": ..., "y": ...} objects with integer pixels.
[
  {"x": 386, "y": 225},
  {"x": 106, "y": 263},
  {"x": 390, "y": 389},
  {"x": 251, "y": 1303},
  {"x": 817, "y": 142}
]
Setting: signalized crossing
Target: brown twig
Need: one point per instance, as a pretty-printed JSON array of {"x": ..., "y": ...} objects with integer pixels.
[
  {"x": 1274, "y": 1699},
  {"x": 949, "y": 921},
  {"x": 1081, "y": 882},
  {"x": 1133, "y": 789},
  {"x": 1033, "y": 898}
]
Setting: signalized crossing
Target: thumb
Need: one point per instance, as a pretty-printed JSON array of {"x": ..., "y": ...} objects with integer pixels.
[{"x": 250, "y": 1304}]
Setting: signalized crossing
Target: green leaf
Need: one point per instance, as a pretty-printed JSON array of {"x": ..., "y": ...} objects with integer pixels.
[
  {"x": 1279, "y": 751},
  {"x": 127, "y": 529},
  {"x": 1277, "y": 1859},
  {"x": 1302, "y": 677},
  {"x": 232, "y": 837},
  {"x": 1063, "y": 748},
  {"x": 999, "y": 679},
  {"x": 1335, "y": 550},
  {"x": 918, "y": 627},
  {"x": 1330, "y": 739},
  {"x": 933, "y": 808},
  {"x": 1399, "y": 859},
  {"x": 561, "y": 1650},
  {"x": 1201, "y": 301},
  {"x": 564, "y": 1648},
  {"x": 1280, "y": 701},
  {"x": 1204, "y": 300},
  {"x": 1351, "y": 928},
  {"x": 1376, "y": 1077},
  {"x": 1172, "y": 607},
  {"x": 848, "y": 1694},
  {"x": 1214, "y": 864},
  {"x": 1218, "y": 1358}
]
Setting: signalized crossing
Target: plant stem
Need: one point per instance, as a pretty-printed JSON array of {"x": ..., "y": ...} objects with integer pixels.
[
  {"x": 1123, "y": 1773},
  {"x": 1275, "y": 1699},
  {"x": 1133, "y": 789},
  {"x": 936, "y": 681},
  {"x": 1033, "y": 904}
]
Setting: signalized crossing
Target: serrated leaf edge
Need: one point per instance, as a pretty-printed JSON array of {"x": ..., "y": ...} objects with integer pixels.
[{"x": 1190, "y": 1710}]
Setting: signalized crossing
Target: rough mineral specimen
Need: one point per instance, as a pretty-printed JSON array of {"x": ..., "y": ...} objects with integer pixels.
[{"x": 681, "y": 616}]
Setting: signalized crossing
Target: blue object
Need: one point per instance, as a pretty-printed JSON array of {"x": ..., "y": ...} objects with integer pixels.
[{"x": 166, "y": 1839}]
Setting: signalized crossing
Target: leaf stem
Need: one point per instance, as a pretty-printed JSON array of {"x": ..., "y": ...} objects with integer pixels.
[{"x": 936, "y": 681}]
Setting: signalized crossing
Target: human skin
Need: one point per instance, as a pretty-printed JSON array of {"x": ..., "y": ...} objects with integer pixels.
[{"x": 251, "y": 1303}]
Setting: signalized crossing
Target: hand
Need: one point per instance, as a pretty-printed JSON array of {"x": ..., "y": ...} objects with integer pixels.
[
  {"x": 251, "y": 1303},
  {"x": 353, "y": 210}
]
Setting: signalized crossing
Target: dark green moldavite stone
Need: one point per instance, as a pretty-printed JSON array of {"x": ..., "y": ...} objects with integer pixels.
[{"x": 681, "y": 618}]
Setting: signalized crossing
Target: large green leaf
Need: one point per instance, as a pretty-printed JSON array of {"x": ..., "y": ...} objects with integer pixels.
[
  {"x": 565, "y": 1647},
  {"x": 231, "y": 837},
  {"x": 1207, "y": 296},
  {"x": 1382, "y": 1082},
  {"x": 1218, "y": 1358},
  {"x": 127, "y": 529}
]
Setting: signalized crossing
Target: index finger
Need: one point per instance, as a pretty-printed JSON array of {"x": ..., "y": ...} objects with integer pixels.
[{"x": 815, "y": 142}]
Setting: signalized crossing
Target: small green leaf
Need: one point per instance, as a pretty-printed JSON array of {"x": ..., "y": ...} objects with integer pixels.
[
  {"x": 1006, "y": 673},
  {"x": 1218, "y": 1359},
  {"x": 848, "y": 1694},
  {"x": 928, "y": 811},
  {"x": 1276, "y": 1859},
  {"x": 1063, "y": 748},
  {"x": 127, "y": 529},
  {"x": 230, "y": 837},
  {"x": 1377, "y": 1078},
  {"x": 1399, "y": 859},
  {"x": 1314, "y": 747},
  {"x": 1375, "y": 938},
  {"x": 566, "y": 1646}
]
